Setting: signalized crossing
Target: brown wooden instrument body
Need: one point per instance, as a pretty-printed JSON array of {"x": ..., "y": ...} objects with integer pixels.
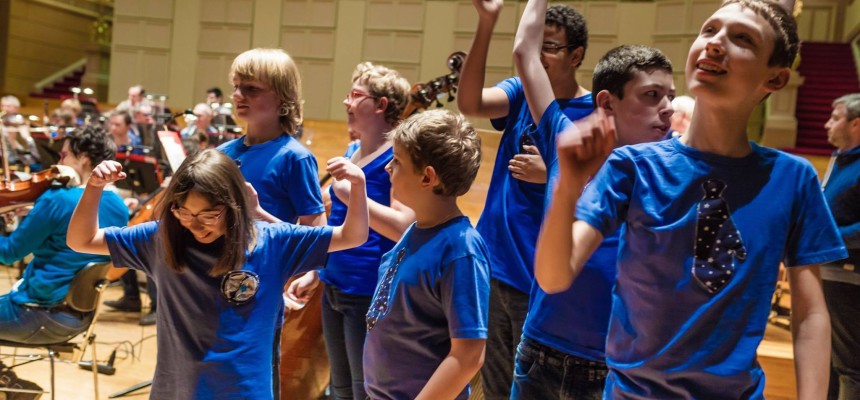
[{"x": 17, "y": 192}]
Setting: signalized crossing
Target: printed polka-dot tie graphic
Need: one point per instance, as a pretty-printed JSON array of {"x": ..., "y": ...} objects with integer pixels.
[{"x": 718, "y": 242}]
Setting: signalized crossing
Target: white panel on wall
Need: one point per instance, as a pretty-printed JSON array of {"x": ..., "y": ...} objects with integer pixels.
[
  {"x": 409, "y": 14},
  {"x": 319, "y": 13},
  {"x": 602, "y": 18},
  {"x": 388, "y": 46},
  {"x": 227, "y": 11},
  {"x": 597, "y": 47},
  {"x": 670, "y": 17},
  {"x": 316, "y": 87},
  {"x": 675, "y": 48},
  {"x": 822, "y": 24},
  {"x": 500, "y": 50},
  {"x": 213, "y": 70},
  {"x": 142, "y": 33},
  {"x": 700, "y": 11},
  {"x": 217, "y": 38},
  {"x": 155, "y": 70},
  {"x": 308, "y": 43}
]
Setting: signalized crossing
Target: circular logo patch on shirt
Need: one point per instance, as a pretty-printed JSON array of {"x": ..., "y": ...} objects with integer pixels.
[{"x": 239, "y": 287}]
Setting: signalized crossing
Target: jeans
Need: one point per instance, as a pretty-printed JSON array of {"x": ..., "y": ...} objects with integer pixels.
[
  {"x": 842, "y": 301},
  {"x": 33, "y": 325},
  {"x": 344, "y": 329},
  {"x": 542, "y": 372},
  {"x": 508, "y": 309}
]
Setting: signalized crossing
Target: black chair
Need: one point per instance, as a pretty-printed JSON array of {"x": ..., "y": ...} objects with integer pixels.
[{"x": 84, "y": 296}]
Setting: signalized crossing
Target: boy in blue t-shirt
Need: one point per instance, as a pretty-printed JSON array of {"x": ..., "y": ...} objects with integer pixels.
[
  {"x": 705, "y": 220},
  {"x": 427, "y": 323},
  {"x": 515, "y": 202},
  {"x": 562, "y": 352}
]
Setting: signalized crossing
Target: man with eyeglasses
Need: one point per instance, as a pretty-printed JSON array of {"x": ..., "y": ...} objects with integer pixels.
[
  {"x": 842, "y": 279},
  {"x": 514, "y": 209}
]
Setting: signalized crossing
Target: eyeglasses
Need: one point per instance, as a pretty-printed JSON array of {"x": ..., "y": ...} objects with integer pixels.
[
  {"x": 205, "y": 219},
  {"x": 356, "y": 94},
  {"x": 239, "y": 287},
  {"x": 379, "y": 307},
  {"x": 552, "y": 48}
]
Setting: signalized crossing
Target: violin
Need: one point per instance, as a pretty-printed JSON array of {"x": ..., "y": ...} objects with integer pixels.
[{"x": 22, "y": 193}]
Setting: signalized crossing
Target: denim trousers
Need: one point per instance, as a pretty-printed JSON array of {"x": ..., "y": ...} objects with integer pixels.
[
  {"x": 344, "y": 329},
  {"x": 542, "y": 372},
  {"x": 843, "y": 302},
  {"x": 508, "y": 309},
  {"x": 34, "y": 325}
]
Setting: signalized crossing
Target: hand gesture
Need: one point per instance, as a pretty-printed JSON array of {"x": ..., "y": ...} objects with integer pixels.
[
  {"x": 528, "y": 167},
  {"x": 252, "y": 198},
  {"x": 583, "y": 148},
  {"x": 488, "y": 8},
  {"x": 302, "y": 289},
  {"x": 106, "y": 172},
  {"x": 341, "y": 168}
]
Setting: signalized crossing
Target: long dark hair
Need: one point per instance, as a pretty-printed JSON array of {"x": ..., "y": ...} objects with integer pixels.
[{"x": 216, "y": 177}]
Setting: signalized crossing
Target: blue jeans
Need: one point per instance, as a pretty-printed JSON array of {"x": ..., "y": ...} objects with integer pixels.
[
  {"x": 508, "y": 309},
  {"x": 845, "y": 322},
  {"x": 344, "y": 329},
  {"x": 32, "y": 325},
  {"x": 542, "y": 372}
]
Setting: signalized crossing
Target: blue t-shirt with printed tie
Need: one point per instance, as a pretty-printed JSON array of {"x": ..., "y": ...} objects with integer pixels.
[
  {"x": 434, "y": 285},
  {"x": 514, "y": 209},
  {"x": 670, "y": 335}
]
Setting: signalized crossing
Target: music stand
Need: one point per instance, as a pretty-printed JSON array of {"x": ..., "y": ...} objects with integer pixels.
[{"x": 144, "y": 172}]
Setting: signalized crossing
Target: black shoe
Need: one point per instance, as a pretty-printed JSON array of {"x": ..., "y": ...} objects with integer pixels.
[
  {"x": 124, "y": 304},
  {"x": 148, "y": 319}
]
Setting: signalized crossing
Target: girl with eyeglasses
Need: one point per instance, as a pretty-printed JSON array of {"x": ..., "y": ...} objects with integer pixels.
[
  {"x": 220, "y": 274},
  {"x": 374, "y": 106}
]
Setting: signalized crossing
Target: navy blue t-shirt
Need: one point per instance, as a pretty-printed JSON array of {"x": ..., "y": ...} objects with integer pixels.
[
  {"x": 669, "y": 337},
  {"x": 208, "y": 347},
  {"x": 440, "y": 291},
  {"x": 514, "y": 209},
  {"x": 354, "y": 270},
  {"x": 283, "y": 172}
]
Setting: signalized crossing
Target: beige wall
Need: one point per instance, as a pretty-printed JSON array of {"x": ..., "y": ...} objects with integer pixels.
[
  {"x": 41, "y": 40},
  {"x": 182, "y": 47},
  {"x": 852, "y": 21}
]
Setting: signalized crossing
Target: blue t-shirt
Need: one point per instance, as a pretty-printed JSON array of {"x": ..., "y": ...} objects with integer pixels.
[
  {"x": 514, "y": 209},
  {"x": 440, "y": 290},
  {"x": 283, "y": 172},
  {"x": 668, "y": 336},
  {"x": 354, "y": 270},
  {"x": 43, "y": 233},
  {"x": 210, "y": 348}
]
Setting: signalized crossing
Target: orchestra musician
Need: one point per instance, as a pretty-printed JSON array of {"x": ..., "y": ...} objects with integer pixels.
[
  {"x": 33, "y": 312},
  {"x": 120, "y": 125},
  {"x": 21, "y": 146}
]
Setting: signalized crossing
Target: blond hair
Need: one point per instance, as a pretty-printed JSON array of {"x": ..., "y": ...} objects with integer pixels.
[
  {"x": 445, "y": 141},
  {"x": 384, "y": 82},
  {"x": 277, "y": 70}
]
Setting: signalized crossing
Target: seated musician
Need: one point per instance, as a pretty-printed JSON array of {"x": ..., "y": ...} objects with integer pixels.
[
  {"x": 22, "y": 148},
  {"x": 34, "y": 311},
  {"x": 121, "y": 131}
]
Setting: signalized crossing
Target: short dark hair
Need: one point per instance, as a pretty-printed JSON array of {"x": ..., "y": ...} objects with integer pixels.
[
  {"x": 126, "y": 117},
  {"x": 216, "y": 90},
  {"x": 573, "y": 23},
  {"x": 786, "y": 43},
  {"x": 92, "y": 141},
  {"x": 618, "y": 66}
]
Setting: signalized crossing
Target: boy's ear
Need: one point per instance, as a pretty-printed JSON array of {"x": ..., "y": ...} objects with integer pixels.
[
  {"x": 430, "y": 179},
  {"x": 778, "y": 80},
  {"x": 576, "y": 56},
  {"x": 604, "y": 101}
]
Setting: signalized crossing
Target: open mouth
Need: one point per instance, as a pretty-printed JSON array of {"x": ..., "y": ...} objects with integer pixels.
[{"x": 709, "y": 67}]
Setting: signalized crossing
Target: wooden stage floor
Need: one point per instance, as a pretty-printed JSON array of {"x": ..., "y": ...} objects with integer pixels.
[{"x": 119, "y": 330}]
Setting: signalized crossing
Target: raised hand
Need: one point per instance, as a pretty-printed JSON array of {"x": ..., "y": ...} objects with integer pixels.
[
  {"x": 341, "y": 168},
  {"x": 488, "y": 8},
  {"x": 106, "y": 172},
  {"x": 302, "y": 289},
  {"x": 583, "y": 149},
  {"x": 528, "y": 167}
]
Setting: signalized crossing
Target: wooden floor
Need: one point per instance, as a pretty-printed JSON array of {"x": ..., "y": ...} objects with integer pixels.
[{"x": 135, "y": 345}]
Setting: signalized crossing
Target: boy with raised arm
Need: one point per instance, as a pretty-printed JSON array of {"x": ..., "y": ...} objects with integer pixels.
[
  {"x": 515, "y": 204},
  {"x": 705, "y": 221}
]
